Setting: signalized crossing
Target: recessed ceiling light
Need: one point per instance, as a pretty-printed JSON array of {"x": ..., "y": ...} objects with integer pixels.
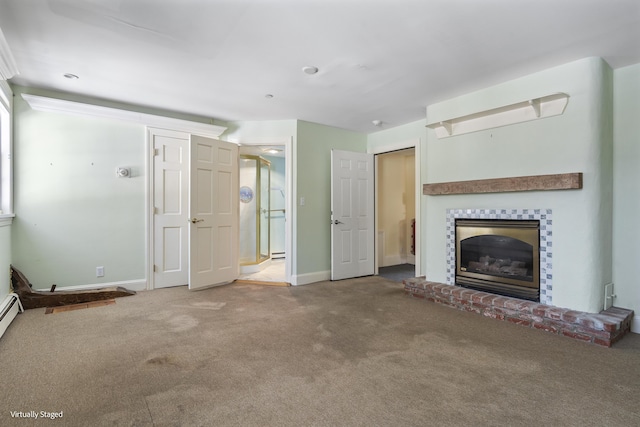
[
  {"x": 377, "y": 122},
  {"x": 71, "y": 76},
  {"x": 272, "y": 150},
  {"x": 310, "y": 69}
]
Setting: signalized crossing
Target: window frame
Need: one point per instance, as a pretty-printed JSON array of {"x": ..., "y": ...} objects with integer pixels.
[{"x": 6, "y": 153}]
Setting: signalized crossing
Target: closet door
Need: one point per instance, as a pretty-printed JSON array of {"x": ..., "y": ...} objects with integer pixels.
[{"x": 352, "y": 215}]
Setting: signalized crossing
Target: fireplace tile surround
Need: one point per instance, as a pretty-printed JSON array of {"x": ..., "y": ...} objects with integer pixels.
[{"x": 545, "y": 216}]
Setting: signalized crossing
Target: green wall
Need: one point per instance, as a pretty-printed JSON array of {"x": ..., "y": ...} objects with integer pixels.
[
  {"x": 313, "y": 179},
  {"x": 72, "y": 212},
  {"x": 626, "y": 190}
]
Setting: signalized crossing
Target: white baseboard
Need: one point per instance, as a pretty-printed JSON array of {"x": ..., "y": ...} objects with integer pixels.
[
  {"x": 9, "y": 309},
  {"x": 635, "y": 325},
  {"x": 305, "y": 279},
  {"x": 132, "y": 285}
]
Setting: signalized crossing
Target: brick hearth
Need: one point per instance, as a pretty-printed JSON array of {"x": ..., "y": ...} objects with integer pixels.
[{"x": 604, "y": 328}]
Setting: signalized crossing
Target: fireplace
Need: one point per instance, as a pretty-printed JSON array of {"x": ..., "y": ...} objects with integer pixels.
[{"x": 499, "y": 256}]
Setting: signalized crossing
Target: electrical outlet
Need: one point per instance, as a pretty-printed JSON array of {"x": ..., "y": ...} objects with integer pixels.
[
  {"x": 99, "y": 271},
  {"x": 608, "y": 295}
]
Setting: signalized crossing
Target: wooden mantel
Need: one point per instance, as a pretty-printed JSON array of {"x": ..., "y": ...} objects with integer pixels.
[{"x": 564, "y": 181}]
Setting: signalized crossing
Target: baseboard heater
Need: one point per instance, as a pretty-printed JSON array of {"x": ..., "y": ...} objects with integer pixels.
[{"x": 10, "y": 308}]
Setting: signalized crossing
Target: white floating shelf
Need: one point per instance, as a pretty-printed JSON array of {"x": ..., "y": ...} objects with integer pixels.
[{"x": 531, "y": 109}]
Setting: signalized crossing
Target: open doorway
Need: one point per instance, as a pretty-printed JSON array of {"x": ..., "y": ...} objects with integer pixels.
[
  {"x": 396, "y": 214},
  {"x": 263, "y": 232}
]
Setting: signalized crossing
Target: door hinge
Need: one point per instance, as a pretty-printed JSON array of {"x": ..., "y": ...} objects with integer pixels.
[
  {"x": 155, "y": 268},
  {"x": 155, "y": 210},
  {"x": 156, "y": 152}
]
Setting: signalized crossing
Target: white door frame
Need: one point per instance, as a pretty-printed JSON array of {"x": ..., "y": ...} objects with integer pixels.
[
  {"x": 387, "y": 148},
  {"x": 289, "y": 241}
]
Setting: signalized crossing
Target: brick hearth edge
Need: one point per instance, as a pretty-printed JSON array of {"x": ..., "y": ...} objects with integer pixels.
[{"x": 604, "y": 328}]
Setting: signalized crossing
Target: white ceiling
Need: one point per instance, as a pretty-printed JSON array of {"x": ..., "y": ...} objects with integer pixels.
[{"x": 378, "y": 59}]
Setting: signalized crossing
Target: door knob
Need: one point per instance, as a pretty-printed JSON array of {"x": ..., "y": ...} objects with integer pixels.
[
  {"x": 194, "y": 220},
  {"x": 336, "y": 222}
]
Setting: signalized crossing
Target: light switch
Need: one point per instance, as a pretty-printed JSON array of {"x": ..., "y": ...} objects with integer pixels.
[{"x": 301, "y": 201}]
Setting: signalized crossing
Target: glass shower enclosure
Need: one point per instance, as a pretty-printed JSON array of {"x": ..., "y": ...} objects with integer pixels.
[{"x": 255, "y": 206}]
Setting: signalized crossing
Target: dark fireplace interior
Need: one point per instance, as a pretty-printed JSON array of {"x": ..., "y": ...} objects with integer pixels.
[{"x": 499, "y": 256}]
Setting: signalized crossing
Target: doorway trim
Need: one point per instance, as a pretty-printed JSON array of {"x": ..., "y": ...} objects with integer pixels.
[
  {"x": 289, "y": 241},
  {"x": 396, "y": 146}
]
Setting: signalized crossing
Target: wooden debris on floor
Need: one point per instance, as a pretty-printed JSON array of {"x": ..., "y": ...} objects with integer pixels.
[
  {"x": 38, "y": 299},
  {"x": 50, "y": 310}
]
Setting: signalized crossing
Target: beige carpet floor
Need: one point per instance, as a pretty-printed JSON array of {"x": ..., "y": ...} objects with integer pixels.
[{"x": 348, "y": 353}]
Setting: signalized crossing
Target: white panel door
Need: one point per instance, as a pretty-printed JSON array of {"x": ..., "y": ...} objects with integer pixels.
[
  {"x": 213, "y": 213},
  {"x": 170, "y": 201},
  {"x": 352, "y": 214}
]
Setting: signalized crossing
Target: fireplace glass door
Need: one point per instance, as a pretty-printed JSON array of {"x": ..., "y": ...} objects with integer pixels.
[{"x": 500, "y": 256}]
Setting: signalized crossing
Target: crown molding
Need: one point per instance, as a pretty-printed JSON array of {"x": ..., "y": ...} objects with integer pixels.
[
  {"x": 41, "y": 103},
  {"x": 8, "y": 67}
]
